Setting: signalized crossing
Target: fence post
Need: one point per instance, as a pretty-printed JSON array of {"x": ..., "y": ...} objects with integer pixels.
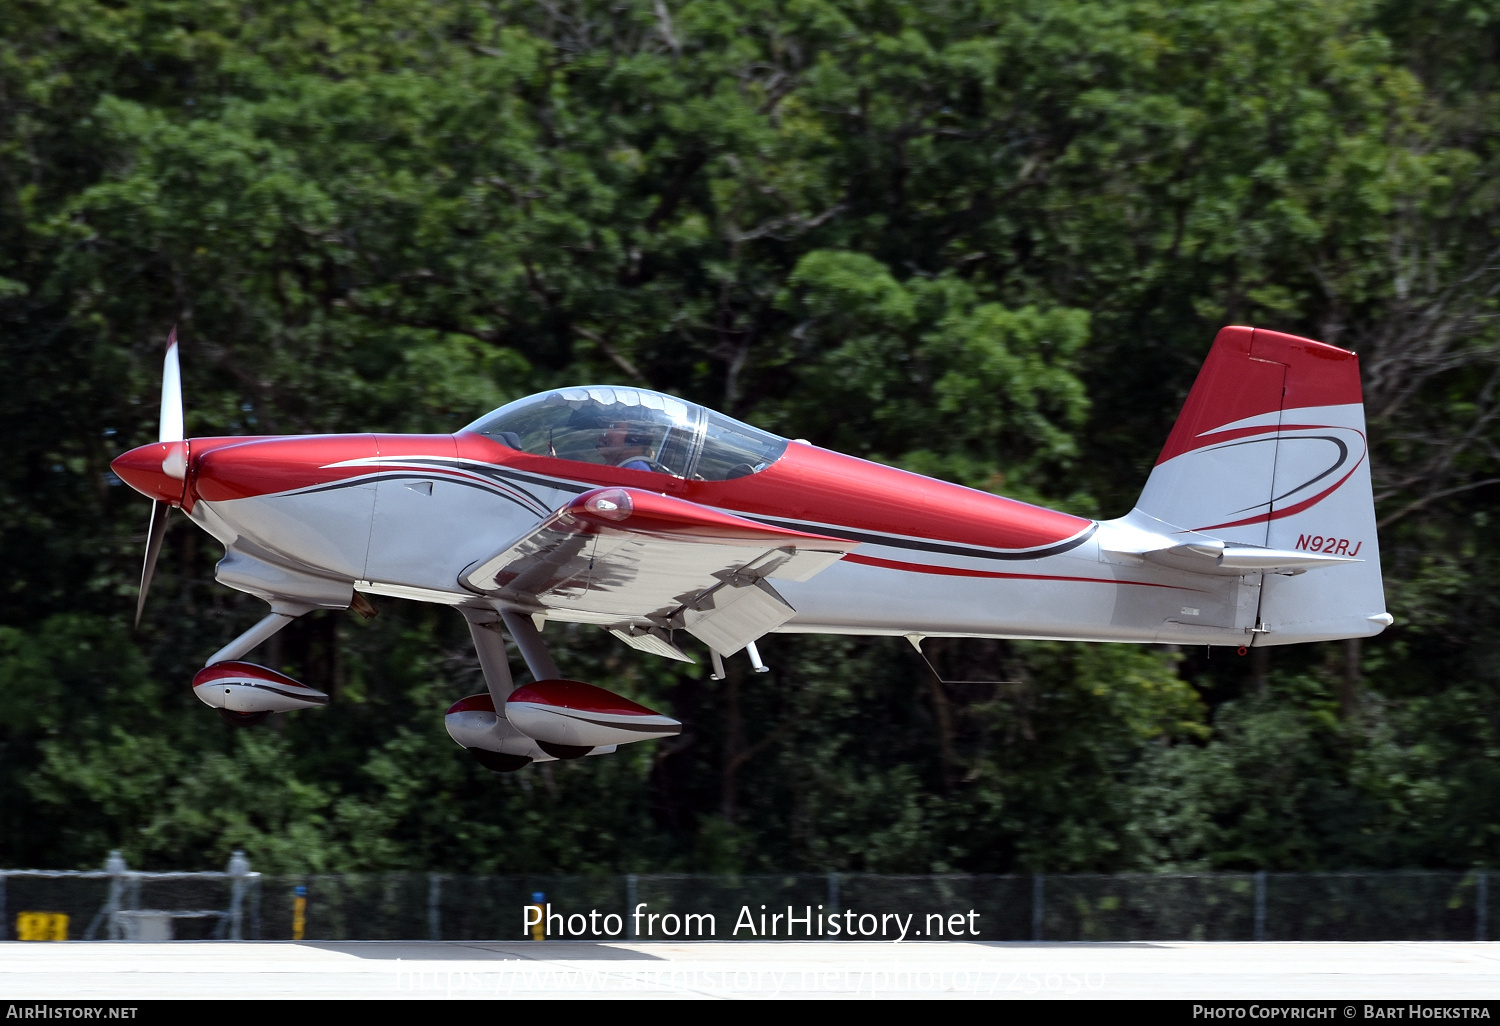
[
  {"x": 1036, "y": 906},
  {"x": 833, "y": 892},
  {"x": 255, "y": 907},
  {"x": 4, "y": 917},
  {"x": 1482, "y": 906},
  {"x": 630, "y": 880},
  {"x": 238, "y": 870},
  {"x": 115, "y": 867},
  {"x": 434, "y": 906},
  {"x": 299, "y": 911},
  {"x": 1260, "y": 905}
]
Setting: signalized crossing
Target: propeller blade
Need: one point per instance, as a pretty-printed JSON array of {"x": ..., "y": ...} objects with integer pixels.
[
  {"x": 154, "y": 535},
  {"x": 171, "y": 393}
]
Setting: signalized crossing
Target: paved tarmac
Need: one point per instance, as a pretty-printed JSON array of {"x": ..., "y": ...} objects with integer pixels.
[{"x": 1343, "y": 972}]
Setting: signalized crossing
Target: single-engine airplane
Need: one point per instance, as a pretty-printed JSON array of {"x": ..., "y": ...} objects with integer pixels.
[{"x": 655, "y": 518}]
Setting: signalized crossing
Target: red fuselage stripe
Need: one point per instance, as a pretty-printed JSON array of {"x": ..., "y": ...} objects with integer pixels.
[{"x": 954, "y": 571}]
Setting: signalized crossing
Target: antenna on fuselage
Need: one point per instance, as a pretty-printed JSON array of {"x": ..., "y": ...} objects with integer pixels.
[{"x": 916, "y": 643}]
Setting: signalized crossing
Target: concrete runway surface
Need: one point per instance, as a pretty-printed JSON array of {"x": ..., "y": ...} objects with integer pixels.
[{"x": 1441, "y": 971}]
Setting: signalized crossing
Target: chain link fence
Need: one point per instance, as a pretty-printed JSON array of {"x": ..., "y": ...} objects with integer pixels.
[{"x": 118, "y": 903}]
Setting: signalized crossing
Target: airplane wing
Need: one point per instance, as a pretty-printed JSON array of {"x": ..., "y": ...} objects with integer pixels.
[{"x": 642, "y": 563}]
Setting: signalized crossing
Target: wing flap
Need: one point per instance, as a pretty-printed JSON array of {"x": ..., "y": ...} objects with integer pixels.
[
  {"x": 648, "y": 559},
  {"x": 730, "y": 616},
  {"x": 650, "y": 639}
]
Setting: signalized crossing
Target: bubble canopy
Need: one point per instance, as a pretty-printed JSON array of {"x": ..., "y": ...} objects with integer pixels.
[{"x": 635, "y": 429}]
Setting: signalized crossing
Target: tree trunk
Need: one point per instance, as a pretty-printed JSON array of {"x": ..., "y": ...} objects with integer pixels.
[
  {"x": 945, "y": 728},
  {"x": 1348, "y": 686},
  {"x": 734, "y": 741},
  {"x": 1260, "y": 670}
]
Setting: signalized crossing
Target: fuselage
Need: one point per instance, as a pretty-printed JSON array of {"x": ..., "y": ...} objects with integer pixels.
[{"x": 406, "y": 515}]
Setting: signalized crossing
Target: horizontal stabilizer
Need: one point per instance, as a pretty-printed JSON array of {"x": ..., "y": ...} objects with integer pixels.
[{"x": 1236, "y": 559}]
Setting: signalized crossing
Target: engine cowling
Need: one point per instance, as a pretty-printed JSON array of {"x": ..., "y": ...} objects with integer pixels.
[
  {"x": 570, "y": 714},
  {"x": 247, "y": 688}
]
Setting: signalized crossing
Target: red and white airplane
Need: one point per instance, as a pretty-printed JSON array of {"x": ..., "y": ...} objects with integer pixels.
[{"x": 656, "y": 518}]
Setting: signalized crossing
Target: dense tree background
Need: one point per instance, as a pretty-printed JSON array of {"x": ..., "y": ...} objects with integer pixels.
[{"x": 986, "y": 240}]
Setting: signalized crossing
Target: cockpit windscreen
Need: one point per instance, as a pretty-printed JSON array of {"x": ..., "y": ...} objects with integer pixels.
[{"x": 634, "y": 429}]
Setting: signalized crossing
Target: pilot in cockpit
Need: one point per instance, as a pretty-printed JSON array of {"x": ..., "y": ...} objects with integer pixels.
[{"x": 626, "y": 445}]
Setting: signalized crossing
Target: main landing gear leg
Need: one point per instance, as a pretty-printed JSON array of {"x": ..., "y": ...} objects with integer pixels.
[
  {"x": 489, "y": 645},
  {"x": 533, "y": 648},
  {"x": 539, "y": 662},
  {"x": 484, "y": 628}
]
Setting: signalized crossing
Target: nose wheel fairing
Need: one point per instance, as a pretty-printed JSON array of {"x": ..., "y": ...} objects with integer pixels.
[{"x": 245, "y": 694}]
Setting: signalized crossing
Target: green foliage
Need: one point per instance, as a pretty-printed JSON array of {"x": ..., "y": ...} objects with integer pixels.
[
  {"x": 983, "y": 240},
  {"x": 925, "y": 375}
]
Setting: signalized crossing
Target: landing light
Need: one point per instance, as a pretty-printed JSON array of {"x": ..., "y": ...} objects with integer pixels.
[{"x": 614, "y": 504}]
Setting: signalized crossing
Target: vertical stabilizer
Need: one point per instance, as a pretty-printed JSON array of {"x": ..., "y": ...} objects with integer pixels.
[{"x": 1270, "y": 449}]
